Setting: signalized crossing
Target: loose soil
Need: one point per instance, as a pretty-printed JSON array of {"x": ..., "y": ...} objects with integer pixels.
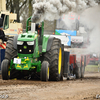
[{"x": 78, "y": 89}]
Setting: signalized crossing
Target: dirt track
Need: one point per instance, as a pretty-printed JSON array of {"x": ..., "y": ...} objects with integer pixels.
[{"x": 80, "y": 89}]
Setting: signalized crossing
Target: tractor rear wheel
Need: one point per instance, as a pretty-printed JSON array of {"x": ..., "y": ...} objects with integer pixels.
[
  {"x": 4, "y": 69},
  {"x": 62, "y": 62},
  {"x": 54, "y": 57},
  {"x": 10, "y": 52},
  {"x": 45, "y": 71}
]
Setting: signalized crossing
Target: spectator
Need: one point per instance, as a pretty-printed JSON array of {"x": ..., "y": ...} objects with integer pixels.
[{"x": 2, "y": 35}]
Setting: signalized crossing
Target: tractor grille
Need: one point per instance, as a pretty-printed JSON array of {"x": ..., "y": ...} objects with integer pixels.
[{"x": 25, "y": 49}]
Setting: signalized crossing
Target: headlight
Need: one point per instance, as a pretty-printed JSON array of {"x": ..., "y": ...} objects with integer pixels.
[
  {"x": 19, "y": 42},
  {"x": 30, "y": 43}
]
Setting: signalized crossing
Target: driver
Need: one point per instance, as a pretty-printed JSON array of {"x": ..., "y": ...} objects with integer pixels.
[{"x": 38, "y": 29}]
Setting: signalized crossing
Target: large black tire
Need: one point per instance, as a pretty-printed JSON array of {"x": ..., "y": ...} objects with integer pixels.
[
  {"x": 10, "y": 52},
  {"x": 6, "y": 74},
  {"x": 4, "y": 69},
  {"x": 62, "y": 70},
  {"x": 54, "y": 57},
  {"x": 45, "y": 71}
]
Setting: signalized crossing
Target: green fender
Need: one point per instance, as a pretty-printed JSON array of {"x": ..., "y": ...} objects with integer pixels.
[{"x": 47, "y": 42}]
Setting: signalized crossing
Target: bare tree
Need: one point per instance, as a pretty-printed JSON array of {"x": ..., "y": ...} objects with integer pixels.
[{"x": 15, "y": 6}]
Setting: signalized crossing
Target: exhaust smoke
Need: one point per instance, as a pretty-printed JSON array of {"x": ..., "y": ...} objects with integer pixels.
[
  {"x": 53, "y": 9},
  {"x": 91, "y": 19}
]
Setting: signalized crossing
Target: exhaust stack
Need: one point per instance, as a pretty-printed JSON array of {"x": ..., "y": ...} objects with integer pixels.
[{"x": 32, "y": 27}]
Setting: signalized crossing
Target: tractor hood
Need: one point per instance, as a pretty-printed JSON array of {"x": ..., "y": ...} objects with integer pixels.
[{"x": 27, "y": 36}]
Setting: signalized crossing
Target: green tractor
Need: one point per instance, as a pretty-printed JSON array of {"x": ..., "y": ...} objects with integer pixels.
[{"x": 30, "y": 55}]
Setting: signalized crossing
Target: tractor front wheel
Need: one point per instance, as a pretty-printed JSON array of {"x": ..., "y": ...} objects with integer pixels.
[
  {"x": 45, "y": 71},
  {"x": 4, "y": 69}
]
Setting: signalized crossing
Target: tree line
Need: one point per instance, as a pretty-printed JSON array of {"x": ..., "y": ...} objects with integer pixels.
[{"x": 23, "y": 9}]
